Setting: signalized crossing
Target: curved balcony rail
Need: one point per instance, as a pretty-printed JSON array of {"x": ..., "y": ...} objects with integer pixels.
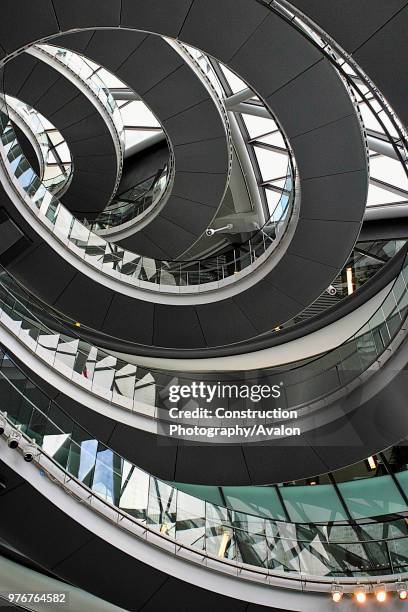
[
  {"x": 154, "y": 275},
  {"x": 143, "y": 504},
  {"x": 146, "y": 391},
  {"x": 86, "y": 72},
  {"x": 55, "y": 176},
  {"x": 134, "y": 204},
  {"x": 144, "y": 196},
  {"x": 80, "y": 70},
  {"x": 212, "y": 84}
]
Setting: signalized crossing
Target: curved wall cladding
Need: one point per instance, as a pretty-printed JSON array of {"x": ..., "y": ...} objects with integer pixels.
[
  {"x": 191, "y": 120},
  {"x": 324, "y": 131},
  {"x": 85, "y": 131}
]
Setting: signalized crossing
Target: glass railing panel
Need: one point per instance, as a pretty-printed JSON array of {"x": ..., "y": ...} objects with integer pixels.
[
  {"x": 65, "y": 356},
  {"x": 372, "y": 497},
  {"x": 124, "y": 381},
  {"x": 56, "y": 438},
  {"x": 82, "y": 456},
  {"x": 29, "y": 334},
  {"x": 79, "y": 235},
  {"x": 398, "y": 554},
  {"x": 107, "y": 475},
  {"x": 251, "y": 548},
  {"x": 191, "y": 523},
  {"x": 63, "y": 224},
  {"x": 283, "y": 548},
  {"x": 162, "y": 506},
  {"x": 389, "y": 306},
  {"x": 220, "y": 541},
  {"x": 19, "y": 409},
  {"x": 350, "y": 363},
  {"x": 401, "y": 295},
  {"x": 145, "y": 391},
  {"x": 134, "y": 491},
  {"x": 83, "y": 366},
  {"x": 39, "y": 400},
  {"x": 311, "y": 386}
]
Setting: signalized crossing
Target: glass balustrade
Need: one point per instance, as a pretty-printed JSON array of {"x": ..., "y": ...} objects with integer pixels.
[
  {"x": 134, "y": 203},
  {"x": 147, "y": 273},
  {"x": 327, "y": 548},
  {"x": 146, "y": 391},
  {"x": 55, "y": 176},
  {"x": 86, "y": 71}
]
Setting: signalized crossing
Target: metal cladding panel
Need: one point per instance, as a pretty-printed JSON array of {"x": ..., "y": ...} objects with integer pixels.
[
  {"x": 221, "y": 28},
  {"x": 350, "y": 23},
  {"x": 323, "y": 241},
  {"x": 42, "y": 272},
  {"x": 155, "y": 15},
  {"x": 279, "y": 47},
  {"x": 92, "y": 311},
  {"x": 343, "y": 198},
  {"x": 177, "y": 326},
  {"x": 27, "y": 22},
  {"x": 196, "y": 156},
  {"x": 87, "y": 13},
  {"x": 175, "y": 93},
  {"x": 124, "y": 316},
  {"x": 256, "y": 304},
  {"x": 186, "y": 213},
  {"x": 295, "y": 276},
  {"x": 224, "y": 322},
  {"x": 170, "y": 237},
  {"x": 314, "y": 87},
  {"x": 47, "y": 526},
  {"x": 221, "y": 464},
  {"x": 382, "y": 55}
]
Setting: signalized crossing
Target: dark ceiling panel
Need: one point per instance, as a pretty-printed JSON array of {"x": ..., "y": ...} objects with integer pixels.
[
  {"x": 155, "y": 15},
  {"x": 26, "y": 22},
  {"x": 279, "y": 46},
  {"x": 177, "y": 326},
  {"x": 350, "y": 23},
  {"x": 207, "y": 18},
  {"x": 127, "y": 316},
  {"x": 224, "y": 322},
  {"x": 86, "y": 14}
]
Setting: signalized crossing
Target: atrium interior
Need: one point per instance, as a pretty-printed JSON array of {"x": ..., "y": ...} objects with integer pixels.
[{"x": 203, "y": 305}]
